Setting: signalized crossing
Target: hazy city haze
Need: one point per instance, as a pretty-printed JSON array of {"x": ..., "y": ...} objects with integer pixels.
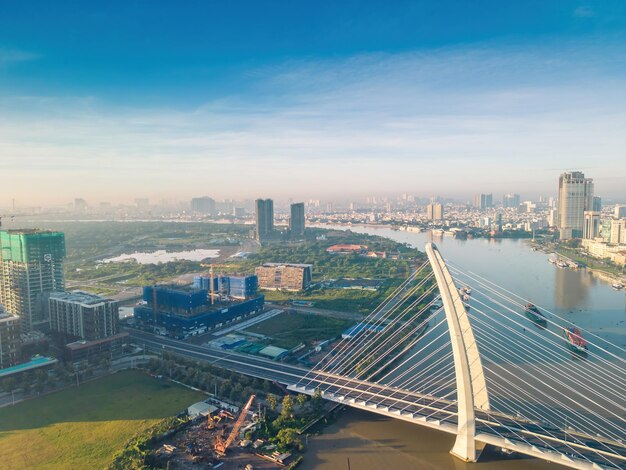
[{"x": 244, "y": 100}]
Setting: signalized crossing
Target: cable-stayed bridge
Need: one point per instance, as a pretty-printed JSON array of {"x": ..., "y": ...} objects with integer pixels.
[{"x": 453, "y": 351}]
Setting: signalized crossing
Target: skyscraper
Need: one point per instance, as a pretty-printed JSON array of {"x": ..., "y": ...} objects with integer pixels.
[
  {"x": 483, "y": 201},
  {"x": 203, "y": 205},
  {"x": 296, "y": 221},
  {"x": 31, "y": 268},
  {"x": 597, "y": 204},
  {"x": 591, "y": 228},
  {"x": 575, "y": 197},
  {"x": 264, "y": 218},
  {"x": 434, "y": 211},
  {"x": 511, "y": 200}
]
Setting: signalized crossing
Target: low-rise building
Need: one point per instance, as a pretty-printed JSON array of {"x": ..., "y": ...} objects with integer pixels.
[
  {"x": 344, "y": 248},
  {"x": 84, "y": 315},
  {"x": 85, "y": 350},
  {"x": 601, "y": 249},
  {"x": 284, "y": 276}
]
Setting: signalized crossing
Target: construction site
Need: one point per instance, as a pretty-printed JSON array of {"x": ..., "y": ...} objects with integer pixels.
[{"x": 217, "y": 440}]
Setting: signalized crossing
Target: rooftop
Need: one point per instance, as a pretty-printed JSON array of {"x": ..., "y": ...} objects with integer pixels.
[
  {"x": 35, "y": 362},
  {"x": 6, "y": 316},
  {"x": 295, "y": 265},
  {"x": 78, "y": 296},
  {"x": 29, "y": 231},
  {"x": 77, "y": 345}
]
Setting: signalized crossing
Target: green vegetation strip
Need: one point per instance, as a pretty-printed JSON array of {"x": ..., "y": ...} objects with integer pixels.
[
  {"x": 84, "y": 427},
  {"x": 287, "y": 330}
]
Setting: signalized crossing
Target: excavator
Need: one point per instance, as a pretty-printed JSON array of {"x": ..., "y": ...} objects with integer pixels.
[
  {"x": 222, "y": 445},
  {"x": 212, "y": 421}
]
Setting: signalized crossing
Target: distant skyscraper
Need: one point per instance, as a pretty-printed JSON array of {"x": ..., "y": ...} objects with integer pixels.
[
  {"x": 434, "y": 211},
  {"x": 80, "y": 205},
  {"x": 597, "y": 204},
  {"x": 619, "y": 212},
  {"x": 575, "y": 197},
  {"x": 511, "y": 200},
  {"x": 297, "y": 221},
  {"x": 483, "y": 201},
  {"x": 591, "y": 227},
  {"x": 31, "y": 268},
  {"x": 203, "y": 205},
  {"x": 264, "y": 218},
  {"x": 553, "y": 218},
  {"x": 142, "y": 203}
]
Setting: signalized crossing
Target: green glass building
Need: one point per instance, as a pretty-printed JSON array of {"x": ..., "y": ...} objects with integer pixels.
[{"x": 31, "y": 267}]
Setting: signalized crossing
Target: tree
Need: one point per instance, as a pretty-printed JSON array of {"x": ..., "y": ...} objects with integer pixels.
[
  {"x": 272, "y": 401},
  {"x": 8, "y": 384},
  {"x": 287, "y": 408},
  {"x": 288, "y": 437},
  {"x": 301, "y": 399},
  {"x": 318, "y": 402}
]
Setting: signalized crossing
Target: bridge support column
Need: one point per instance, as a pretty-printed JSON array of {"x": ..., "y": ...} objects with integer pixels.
[{"x": 470, "y": 380}]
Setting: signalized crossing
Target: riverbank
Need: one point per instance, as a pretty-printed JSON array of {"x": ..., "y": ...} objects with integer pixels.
[
  {"x": 361, "y": 440},
  {"x": 589, "y": 262}
]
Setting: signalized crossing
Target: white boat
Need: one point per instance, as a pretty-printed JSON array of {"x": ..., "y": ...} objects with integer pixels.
[{"x": 617, "y": 286}]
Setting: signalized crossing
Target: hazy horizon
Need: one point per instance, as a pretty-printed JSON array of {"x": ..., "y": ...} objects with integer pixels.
[{"x": 246, "y": 100}]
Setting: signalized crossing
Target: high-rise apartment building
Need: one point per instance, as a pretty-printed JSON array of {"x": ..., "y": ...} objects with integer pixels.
[
  {"x": 264, "y": 218},
  {"x": 31, "y": 268},
  {"x": 575, "y": 197},
  {"x": 434, "y": 211},
  {"x": 483, "y": 201},
  {"x": 9, "y": 339},
  {"x": 297, "y": 221},
  {"x": 619, "y": 212},
  {"x": 618, "y": 232},
  {"x": 203, "y": 205},
  {"x": 511, "y": 200},
  {"x": 84, "y": 315},
  {"x": 591, "y": 227}
]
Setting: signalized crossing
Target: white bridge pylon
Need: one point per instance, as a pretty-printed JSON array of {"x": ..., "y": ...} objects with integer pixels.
[{"x": 470, "y": 379}]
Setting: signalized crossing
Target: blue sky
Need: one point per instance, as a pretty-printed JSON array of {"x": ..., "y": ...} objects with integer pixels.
[{"x": 118, "y": 100}]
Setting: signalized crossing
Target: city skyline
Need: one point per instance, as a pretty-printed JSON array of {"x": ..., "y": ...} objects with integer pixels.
[{"x": 109, "y": 109}]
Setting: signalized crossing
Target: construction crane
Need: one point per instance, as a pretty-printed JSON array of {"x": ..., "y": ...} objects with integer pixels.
[
  {"x": 212, "y": 293},
  {"x": 222, "y": 445}
]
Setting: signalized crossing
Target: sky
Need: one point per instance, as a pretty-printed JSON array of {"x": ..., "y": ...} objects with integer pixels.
[{"x": 111, "y": 101}]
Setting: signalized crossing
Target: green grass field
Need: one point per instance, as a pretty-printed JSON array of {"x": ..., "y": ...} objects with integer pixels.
[
  {"x": 84, "y": 427},
  {"x": 290, "y": 329}
]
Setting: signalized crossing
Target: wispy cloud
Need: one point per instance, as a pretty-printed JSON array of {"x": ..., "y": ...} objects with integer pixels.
[
  {"x": 439, "y": 122},
  {"x": 584, "y": 12},
  {"x": 14, "y": 55}
]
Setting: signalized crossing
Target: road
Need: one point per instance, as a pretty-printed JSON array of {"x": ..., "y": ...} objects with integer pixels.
[{"x": 388, "y": 400}]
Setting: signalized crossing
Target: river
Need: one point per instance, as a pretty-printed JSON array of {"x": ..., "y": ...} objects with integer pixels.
[{"x": 361, "y": 440}]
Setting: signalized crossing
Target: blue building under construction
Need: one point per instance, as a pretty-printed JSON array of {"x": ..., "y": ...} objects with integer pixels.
[
  {"x": 237, "y": 287},
  {"x": 185, "y": 311}
]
